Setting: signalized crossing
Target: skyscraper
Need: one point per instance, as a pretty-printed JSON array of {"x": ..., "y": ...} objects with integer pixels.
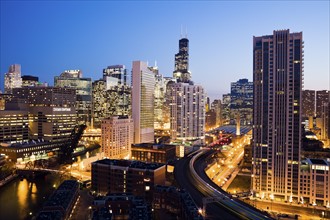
[
  {"x": 308, "y": 103},
  {"x": 83, "y": 86},
  {"x": 13, "y": 78},
  {"x": 277, "y": 76},
  {"x": 143, "y": 87},
  {"x": 187, "y": 101},
  {"x": 111, "y": 94},
  {"x": 181, "y": 72},
  {"x": 322, "y": 96},
  {"x": 241, "y": 100}
]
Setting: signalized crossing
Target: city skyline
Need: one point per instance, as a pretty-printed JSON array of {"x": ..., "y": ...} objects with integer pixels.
[{"x": 47, "y": 38}]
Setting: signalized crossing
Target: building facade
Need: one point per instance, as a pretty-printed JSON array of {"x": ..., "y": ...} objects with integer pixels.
[
  {"x": 117, "y": 137},
  {"x": 121, "y": 176},
  {"x": 14, "y": 126},
  {"x": 217, "y": 107},
  {"x": 315, "y": 182},
  {"x": 111, "y": 95},
  {"x": 28, "y": 81},
  {"x": 241, "y": 100},
  {"x": 154, "y": 153},
  {"x": 181, "y": 68},
  {"x": 277, "y": 77},
  {"x": 83, "y": 86},
  {"x": 52, "y": 114},
  {"x": 143, "y": 87},
  {"x": 13, "y": 78},
  {"x": 322, "y": 96},
  {"x": 308, "y": 103},
  {"x": 187, "y": 111}
]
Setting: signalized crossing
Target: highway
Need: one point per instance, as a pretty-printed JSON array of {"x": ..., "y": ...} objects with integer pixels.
[{"x": 190, "y": 175}]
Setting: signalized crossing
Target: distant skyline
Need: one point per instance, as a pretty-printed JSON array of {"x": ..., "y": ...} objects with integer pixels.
[{"x": 48, "y": 37}]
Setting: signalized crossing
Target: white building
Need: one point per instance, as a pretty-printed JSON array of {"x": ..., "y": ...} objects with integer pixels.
[
  {"x": 117, "y": 137},
  {"x": 13, "y": 78},
  {"x": 315, "y": 182},
  {"x": 143, "y": 84},
  {"x": 187, "y": 111}
]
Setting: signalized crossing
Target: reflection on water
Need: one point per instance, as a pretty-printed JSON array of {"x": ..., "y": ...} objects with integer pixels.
[{"x": 20, "y": 198}]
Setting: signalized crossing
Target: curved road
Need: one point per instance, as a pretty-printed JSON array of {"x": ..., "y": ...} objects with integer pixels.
[{"x": 190, "y": 175}]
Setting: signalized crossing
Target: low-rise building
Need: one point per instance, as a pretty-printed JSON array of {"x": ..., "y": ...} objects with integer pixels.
[
  {"x": 121, "y": 206},
  {"x": 61, "y": 202},
  {"x": 315, "y": 182},
  {"x": 121, "y": 176},
  {"x": 155, "y": 153}
]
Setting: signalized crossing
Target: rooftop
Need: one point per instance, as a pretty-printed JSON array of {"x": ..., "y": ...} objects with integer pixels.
[
  {"x": 130, "y": 164},
  {"x": 318, "y": 162}
]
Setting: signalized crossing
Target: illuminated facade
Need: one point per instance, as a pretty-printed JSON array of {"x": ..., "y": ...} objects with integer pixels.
[
  {"x": 14, "y": 126},
  {"x": 83, "y": 86},
  {"x": 181, "y": 72},
  {"x": 217, "y": 107},
  {"x": 13, "y": 78},
  {"x": 52, "y": 114},
  {"x": 325, "y": 130},
  {"x": 111, "y": 95},
  {"x": 308, "y": 103},
  {"x": 315, "y": 182},
  {"x": 322, "y": 96},
  {"x": 117, "y": 137},
  {"x": 143, "y": 87},
  {"x": 241, "y": 100},
  {"x": 187, "y": 111},
  {"x": 277, "y": 76},
  {"x": 161, "y": 112},
  {"x": 28, "y": 81},
  {"x": 121, "y": 176}
]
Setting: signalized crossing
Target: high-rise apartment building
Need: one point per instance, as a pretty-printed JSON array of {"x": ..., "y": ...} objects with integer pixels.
[
  {"x": 83, "y": 86},
  {"x": 13, "y": 78},
  {"x": 181, "y": 72},
  {"x": 322, "y": 96},
  {"x": 277, "y": 77},
  {"x": 117, "y": 137},
  {"x": 187, "y": 111},
  {"x": 111, "y": 95},
  {"x": 143, "y": 87}
]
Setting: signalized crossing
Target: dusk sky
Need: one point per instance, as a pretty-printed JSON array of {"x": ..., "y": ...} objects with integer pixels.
[{"x": 48, "y": 37}]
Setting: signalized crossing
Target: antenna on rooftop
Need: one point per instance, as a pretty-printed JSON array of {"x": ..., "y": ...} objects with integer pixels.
[{"x": 181, "y": 33}]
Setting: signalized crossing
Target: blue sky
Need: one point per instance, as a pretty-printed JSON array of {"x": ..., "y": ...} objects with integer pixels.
[{"x": 47, "y": 37}]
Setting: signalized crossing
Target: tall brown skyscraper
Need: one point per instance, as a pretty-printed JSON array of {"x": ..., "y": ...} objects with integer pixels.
[{"x": 277, "y": 76}]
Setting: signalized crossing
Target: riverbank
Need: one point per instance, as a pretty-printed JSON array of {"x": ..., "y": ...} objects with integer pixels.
[{"x": 8, "y": 179}]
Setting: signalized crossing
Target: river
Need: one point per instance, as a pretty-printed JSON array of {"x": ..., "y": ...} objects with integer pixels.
[{"x": 22, "y": 199}]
